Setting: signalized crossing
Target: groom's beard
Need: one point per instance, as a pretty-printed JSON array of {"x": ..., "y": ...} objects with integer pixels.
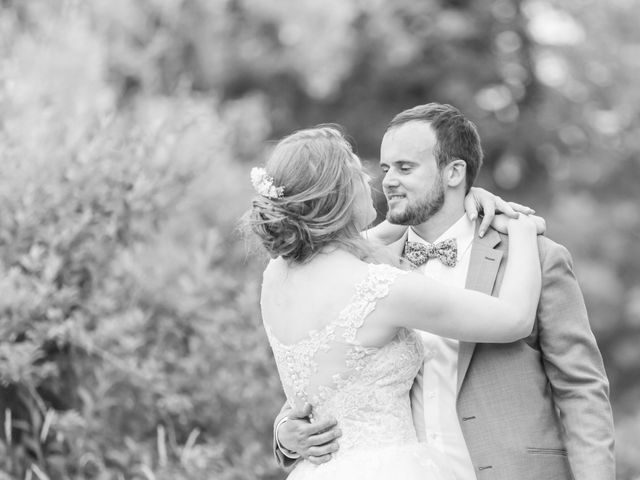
[{"x": 423, "y": 209}]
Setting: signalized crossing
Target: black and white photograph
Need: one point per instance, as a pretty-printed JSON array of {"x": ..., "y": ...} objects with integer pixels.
[{"x": 337, "y": 240}]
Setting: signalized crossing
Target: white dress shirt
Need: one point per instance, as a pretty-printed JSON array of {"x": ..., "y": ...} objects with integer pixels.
[{"x": 434, "y": 392}]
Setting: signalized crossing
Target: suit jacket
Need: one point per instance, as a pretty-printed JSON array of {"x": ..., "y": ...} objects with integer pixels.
[{"x": 538, "y": 408}]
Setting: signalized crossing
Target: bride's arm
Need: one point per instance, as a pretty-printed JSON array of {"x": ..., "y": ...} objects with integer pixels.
[
  {"x": 501, "y": 223},
  {"x": 418, "y": 301},
  {"x": 387, "y": 233},
  {"x": 384, "y": 232},
  {"x": 478, "y": 200}
]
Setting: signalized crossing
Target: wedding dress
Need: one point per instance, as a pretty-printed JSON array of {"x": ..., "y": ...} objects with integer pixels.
[{"x": 365, "y": 388}]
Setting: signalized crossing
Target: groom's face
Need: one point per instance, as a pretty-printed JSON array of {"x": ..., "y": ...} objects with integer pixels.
[{"x": 412, "y": 183}]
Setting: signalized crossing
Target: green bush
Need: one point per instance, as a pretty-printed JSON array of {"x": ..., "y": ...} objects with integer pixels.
[{"x": 131, "y": 345}]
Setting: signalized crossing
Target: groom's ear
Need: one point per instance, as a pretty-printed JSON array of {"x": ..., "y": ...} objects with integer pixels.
[{"x": 455, "y": 173}]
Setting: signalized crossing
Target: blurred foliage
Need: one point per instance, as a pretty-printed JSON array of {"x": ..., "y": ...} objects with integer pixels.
[{"x": 131, "y": 344}]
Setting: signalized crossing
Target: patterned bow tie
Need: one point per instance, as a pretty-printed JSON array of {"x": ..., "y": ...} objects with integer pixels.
[{"x": 446, "y": 251}]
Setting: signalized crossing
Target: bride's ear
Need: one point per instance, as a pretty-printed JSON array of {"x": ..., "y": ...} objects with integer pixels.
[{"x": 455, "y": 173}]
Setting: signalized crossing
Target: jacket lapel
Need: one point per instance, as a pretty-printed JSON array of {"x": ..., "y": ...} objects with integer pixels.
[{"x": 483, "y": 270}]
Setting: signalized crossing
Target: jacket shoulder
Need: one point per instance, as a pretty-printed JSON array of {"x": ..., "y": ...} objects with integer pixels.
[{"x": 547, "y": 248}]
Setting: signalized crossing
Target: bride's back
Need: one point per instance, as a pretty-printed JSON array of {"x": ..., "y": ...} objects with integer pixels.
[
  {"x": 297, "y": 299},
  {"x": 314, "y": 316}
]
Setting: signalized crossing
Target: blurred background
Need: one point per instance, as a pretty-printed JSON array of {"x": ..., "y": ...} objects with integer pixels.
[{"x": 131, "y": 344}]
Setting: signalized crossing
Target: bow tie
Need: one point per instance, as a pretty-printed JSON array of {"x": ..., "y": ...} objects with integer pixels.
[{"x": 418, "y": 253}]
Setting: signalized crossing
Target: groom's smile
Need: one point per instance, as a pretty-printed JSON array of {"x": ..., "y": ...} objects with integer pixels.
[{"x": 394, "y": 197}]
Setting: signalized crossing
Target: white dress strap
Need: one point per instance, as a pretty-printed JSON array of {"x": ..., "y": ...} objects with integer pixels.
[{"x": 374, "y": 287}]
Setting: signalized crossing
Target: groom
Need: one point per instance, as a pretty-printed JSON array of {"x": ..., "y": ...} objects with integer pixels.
[{"x": 537, "y": 408}]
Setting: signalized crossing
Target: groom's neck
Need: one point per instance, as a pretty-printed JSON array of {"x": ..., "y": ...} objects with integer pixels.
[{"x": 439, "y": 222}]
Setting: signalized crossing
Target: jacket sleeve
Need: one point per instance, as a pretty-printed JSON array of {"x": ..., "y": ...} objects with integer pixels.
[
  {"x": 574, "y": 367},
  {"x": 283, "y": 461}
]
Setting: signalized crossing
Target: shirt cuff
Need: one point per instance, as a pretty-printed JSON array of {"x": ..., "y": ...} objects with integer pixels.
[{"x": 286, "y": 452}]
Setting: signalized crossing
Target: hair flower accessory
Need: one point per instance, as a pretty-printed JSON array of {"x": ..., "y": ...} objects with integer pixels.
[{"x": 263, "y": 184}]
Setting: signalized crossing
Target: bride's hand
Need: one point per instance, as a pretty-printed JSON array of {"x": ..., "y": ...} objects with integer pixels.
[
  {"x": 501, "y": 223},
  {"x": 480, "y": 200}
]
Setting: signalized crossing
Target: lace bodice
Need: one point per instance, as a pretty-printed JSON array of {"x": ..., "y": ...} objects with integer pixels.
[{"x": 365, "y": 388}]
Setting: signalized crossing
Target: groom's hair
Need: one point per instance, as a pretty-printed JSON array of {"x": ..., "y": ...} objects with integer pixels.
[{"x": 456, "y": 137}]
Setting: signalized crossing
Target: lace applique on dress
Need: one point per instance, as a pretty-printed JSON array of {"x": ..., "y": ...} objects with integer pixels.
[
  {"x": 365, "y": 388},
  {"x": 296, "y": 362},
  {"x": 374, "y": 287}
]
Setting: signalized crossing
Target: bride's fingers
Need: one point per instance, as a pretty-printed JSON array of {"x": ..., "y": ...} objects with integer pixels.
[
  {"x": 521, "y": 208},
  {"x": 471, "y": 207},
  {"x": 505, "y": 207},
  {"x": 500, "y": 223},
  {"x": 489, "y": 213}
]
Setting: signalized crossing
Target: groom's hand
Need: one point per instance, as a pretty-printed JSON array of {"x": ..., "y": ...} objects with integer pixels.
[{"x": 313, "y": 441}]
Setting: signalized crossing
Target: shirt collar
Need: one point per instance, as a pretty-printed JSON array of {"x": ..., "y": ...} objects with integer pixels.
[{"x": 463, "y": 230}]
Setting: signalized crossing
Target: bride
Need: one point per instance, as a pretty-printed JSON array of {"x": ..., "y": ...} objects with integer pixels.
[{"x": 339, "y": 311}]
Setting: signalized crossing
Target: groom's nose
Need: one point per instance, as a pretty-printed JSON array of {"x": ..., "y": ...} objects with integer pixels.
[{"x": 390, "y": 180}]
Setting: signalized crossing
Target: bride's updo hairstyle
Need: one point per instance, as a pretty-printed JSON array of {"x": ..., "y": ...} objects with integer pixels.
[{"x": 319, "y": 174}]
